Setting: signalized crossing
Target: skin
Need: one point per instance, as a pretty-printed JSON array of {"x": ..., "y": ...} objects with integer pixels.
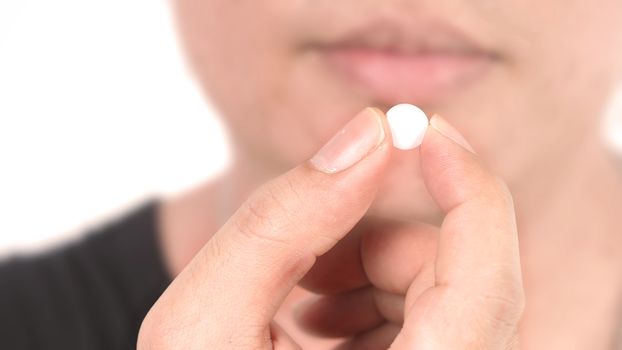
[
  {"x": 558, "y": 68},
  {"x": 228, "y": 295}
]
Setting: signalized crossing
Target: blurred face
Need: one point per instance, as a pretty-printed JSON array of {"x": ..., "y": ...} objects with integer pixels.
[{"x": 524, "y": 80}]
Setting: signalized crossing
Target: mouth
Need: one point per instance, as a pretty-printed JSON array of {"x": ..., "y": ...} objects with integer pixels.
[{"x": 421, "y": 64}]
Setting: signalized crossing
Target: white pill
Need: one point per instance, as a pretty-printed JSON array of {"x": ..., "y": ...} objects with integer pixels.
[{"x": 408, "y": 124}]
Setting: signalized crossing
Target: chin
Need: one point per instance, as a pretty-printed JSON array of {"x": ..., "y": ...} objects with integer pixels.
[{"x": 402, "y": 196}]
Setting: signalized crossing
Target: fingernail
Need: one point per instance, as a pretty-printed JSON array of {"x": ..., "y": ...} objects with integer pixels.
[
  {"x": 443, "y": 126},
  {"x": 351, "y": 144}
]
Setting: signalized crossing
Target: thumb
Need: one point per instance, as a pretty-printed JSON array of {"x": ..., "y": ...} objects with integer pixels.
[{"x": 249, "y": 266}]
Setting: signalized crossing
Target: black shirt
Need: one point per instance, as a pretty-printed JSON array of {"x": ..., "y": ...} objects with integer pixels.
[{"x": 90, "y": 294}]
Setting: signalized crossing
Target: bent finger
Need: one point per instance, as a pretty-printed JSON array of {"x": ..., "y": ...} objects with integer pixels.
[{"x": 478, "y": 296}]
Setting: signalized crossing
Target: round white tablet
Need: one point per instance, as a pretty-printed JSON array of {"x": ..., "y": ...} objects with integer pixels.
[{"x": 408, "y": 124}]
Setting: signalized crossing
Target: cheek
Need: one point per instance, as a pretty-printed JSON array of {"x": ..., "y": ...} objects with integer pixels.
[
  {"x": 581, "y": 54},
  {"x": 226, "y": 45},
  {"x": 576, "y": 52},
  {"x": 245, "y": 63},
  {"x": 276, "y": 98},
  {"x": 561, "y": 71}
]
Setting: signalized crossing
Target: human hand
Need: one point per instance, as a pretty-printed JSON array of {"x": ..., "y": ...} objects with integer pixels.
[
  {"x": 414, "y": 285},
  {"x": 229, "y": 293}
]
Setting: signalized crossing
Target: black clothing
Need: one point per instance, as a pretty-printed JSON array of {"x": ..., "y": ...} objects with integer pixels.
[{"x": 90, "y": 294}]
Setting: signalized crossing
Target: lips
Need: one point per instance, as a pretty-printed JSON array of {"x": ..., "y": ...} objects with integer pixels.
[{"x": 420, "y": 64}]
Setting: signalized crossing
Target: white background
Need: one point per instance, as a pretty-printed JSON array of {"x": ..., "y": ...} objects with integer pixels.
[{"x": 97, "y": 113}]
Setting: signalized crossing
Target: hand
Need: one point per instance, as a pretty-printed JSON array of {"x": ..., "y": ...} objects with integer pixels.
[
  {"x": 227, "y": 296},
  {"x": 454, "y": 287}
]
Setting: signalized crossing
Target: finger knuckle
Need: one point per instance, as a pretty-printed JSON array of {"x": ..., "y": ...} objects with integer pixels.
[
  {"x": 265, "y": 213},
  {"x": 252, "y": 336},
  {"x": 502, "y": 188},
  {"x": 255, "y": 223},
  {"x": 496, "y": 190},
  {"x": 513, "y": 342},
  {"x": 153, "y": 334},
  {"x": 506, "y": 305}
]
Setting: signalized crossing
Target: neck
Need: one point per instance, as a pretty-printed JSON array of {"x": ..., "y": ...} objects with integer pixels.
[
  {"x": 571, "y": 250},
  {"x": 577, "y": 198},
  {"x": 189, "y": 219}
]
